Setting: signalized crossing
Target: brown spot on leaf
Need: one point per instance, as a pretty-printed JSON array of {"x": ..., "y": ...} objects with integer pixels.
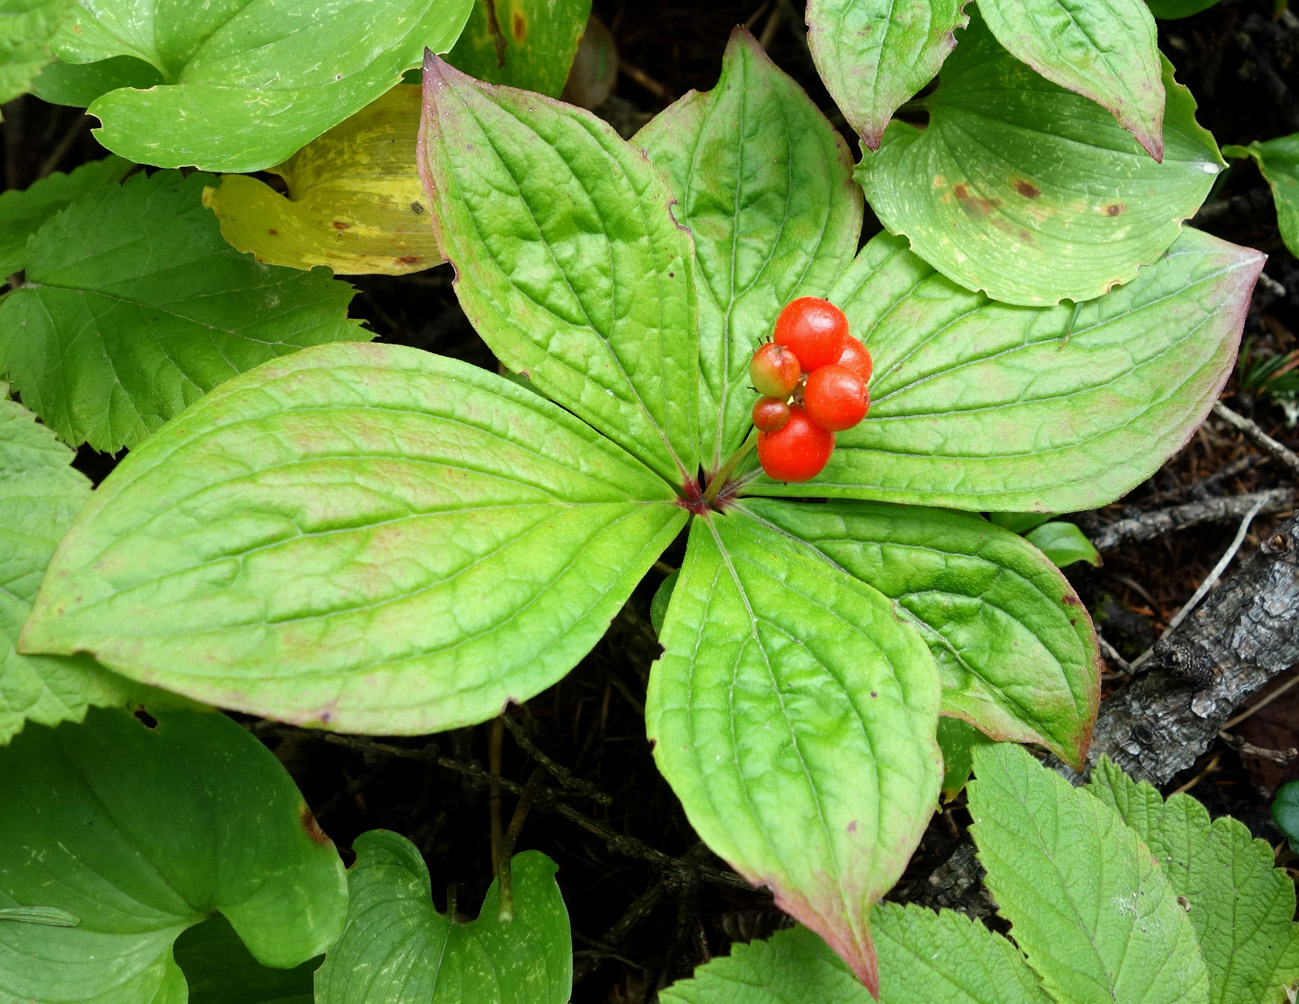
[
  {"x": 1070, "y": 600},
  {"x": 518, "y": 26},
  {"x": 408, "y": 259},
  {"x": 340, "y": 225},
  {"x": 309, "y": 824},
  {"x": 1114, "y": 208},
  {"x": 975, "y": 207},
  {"x": 1027, "y": 189},
  {"x": 273, "y": 233}
]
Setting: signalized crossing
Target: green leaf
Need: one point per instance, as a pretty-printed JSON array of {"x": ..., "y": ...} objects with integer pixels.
[
  {"x": 794, "y": 714},
  {"x": 1241, "y": 907},
  {"x": 1278, "y": 159},
  {"x": 875, "y": 54},
  {"x": 1104, "y": 50},
  {"x": 397, "y": 949},
  {"x": 220, "y": 970},
  {"x": 662, "y": 597},
  {"x": 248, "y": 82},
  {"x": 26, "y": 27},
  {"x": 523, "y": 43},
  {"x": 1029, "y": 191},
  {"x": 765, "y": 185},
  {"x": 1018, "y": 522},
  {"x": 369, "y": 538},
  {"x": 139, "y": 828},
  {"x": 22, "y": 213},
  {"x": 1171, "y": 10},
  {"x": 957, "y": 741},
  {"x": 1063, "y": 543},
  {"x": 354, "y": 203},
  {"x": 1285, "y": 811},
  {"x": 134, "y": 306},
  {"x": 1089, "y": 904},
  {"x": 79, "y": 84},
  {"x": 589, "y": 293},
  {"x": 1014, "y": 645},
  {"x": 982, "y": 406}
]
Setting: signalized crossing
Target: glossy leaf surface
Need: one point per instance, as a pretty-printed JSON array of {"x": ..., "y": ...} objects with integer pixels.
[
  {"x": 354, "y": 203},
  {"x": 1278, "y": 159},
  {"x": 765, "y": 185},
  {"x": 220, "y": 970},
  {"x": 135, "y": 829},
  {"x": 1013, "y": 643},
  {"x": 368, "y": 538},
  {"x": 589, "y": 295},
  {"x": 397, "y": 949},
  {"x": 1089, "y": 904},
  {"x": 79, "y": 84},
  {"x": 1063, "y": 543},
  {"x": 1102, "y": 49},
  {"x": 875, "y": 54},
  {"x": 134, "y": 307},
  {"x": 957, "y": 741},
  {"x": 1242, "y": 908},
  {"x": 793, "y": 714},
  {"x": 983, "y": 406},
  {"x": 26, "y": 27},
  {"x": 248, "y": 82},
  {"x": 527, "y": 44},
  {"x": 1069, "y": 206}
]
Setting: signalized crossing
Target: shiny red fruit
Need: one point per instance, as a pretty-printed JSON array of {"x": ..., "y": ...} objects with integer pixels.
[
  {"x": 775, "y": 370},
  {"x": 856, "y": 357},
  {"x": 835, "y": 398},
  {"x": 770, "y": 413},
  {"x": 797, "y": 451},
  {"x": 814, "y": 330}
]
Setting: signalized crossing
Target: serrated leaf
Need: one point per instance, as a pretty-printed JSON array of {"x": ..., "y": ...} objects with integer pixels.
[
  {"x": 354, "y": 203},
  {"x": 140, "y": 828},
  {"x": 1242, "y": 908},
  {"x": 24, "y": 212},
  {"x": 1104, "y": 50},
  {"x": 79, "y": 84},
  {"x": 528, "y": 44},
  {"x": 765, "y": 185},
  {"x": 1278, "y": 159},
  {"x": 1063, "y": 543},
  {"x": 362, "y": 537},
  {"x": 982, "y": 406},
  {"x": 134, "y": 307},
  {"x": 397, "y": 949},
  {"x": 1029, "y": 191},
  {"x": 1014, "y": 645},
  {"x": 26, "y": 27},
  {"x": 1089, "y": 904},
  {"x": 875, "y": 54},
  {"x": 793, "y": 714},
  {"x": 220, "y": 970},
  {"x": 248, "y": 82},
  {"x": 589, "y": 294}
]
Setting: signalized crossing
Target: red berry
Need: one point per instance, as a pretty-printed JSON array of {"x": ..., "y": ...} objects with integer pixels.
[
  {"x": 796, "y": 451},
  {"x": 774, "y": 370},
  {"x": 856, "y": 357},
  {"x": 835, "y": 398},
  {"x": 770, "y": 413},
  {"x": 814, "y": 329}
]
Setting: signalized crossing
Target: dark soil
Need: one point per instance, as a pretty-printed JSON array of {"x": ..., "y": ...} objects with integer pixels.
[{"x": 641, "y": 920}]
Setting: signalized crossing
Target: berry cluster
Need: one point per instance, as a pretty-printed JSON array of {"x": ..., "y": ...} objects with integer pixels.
[{"x": 812, "y": 377}]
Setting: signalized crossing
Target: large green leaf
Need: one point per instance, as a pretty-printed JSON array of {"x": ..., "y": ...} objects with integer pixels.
[
  {"x": 765, "y": 185},
  {"x": 248, "y": 82},
  {"x": 524, "y": 43},
  {"x": 1089, "y": 904},
  {"x": 1278, "y": 159},
  {"x": 1029, "y": 191},
  {"x": 568, "y": 261},
  {"x": 397, "y": 949},
  {"x": 23, "y": 212},
  {"x": 983, "y": 406},
  {"x": 362, "y": 537},
  {"x": 220, "y": 970},
  {"x": 1014, "y": 645},
  {"x": 134, "y": 306},
  {"x": 794, "y": 714},
  {"x": 119, "y": 833},
  {"x": 26, "y": 27},
  {"x": 875, "y": 54},
  {"x": 1102, "y": 49},
  {"x": 354, "y": 201},
  {"x": 1242, "y": 908}
]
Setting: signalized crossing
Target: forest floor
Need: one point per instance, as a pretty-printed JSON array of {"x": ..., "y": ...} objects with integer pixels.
[{"x": 647, "y": 901}]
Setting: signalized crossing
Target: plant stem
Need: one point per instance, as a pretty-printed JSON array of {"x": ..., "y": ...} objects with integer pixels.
[{"x": 727, "y": 469}]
